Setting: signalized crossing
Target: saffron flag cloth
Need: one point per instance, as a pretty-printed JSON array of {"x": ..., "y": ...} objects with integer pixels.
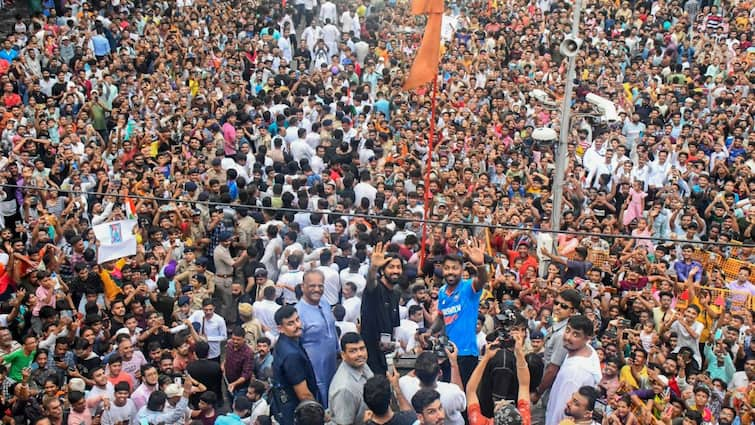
[
  {"x": 425, "y": 66},
  {"x": 117, "y": 240}
]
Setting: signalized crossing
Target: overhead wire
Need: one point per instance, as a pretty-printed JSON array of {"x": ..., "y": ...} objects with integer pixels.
[{"x": 383, "y": 217}]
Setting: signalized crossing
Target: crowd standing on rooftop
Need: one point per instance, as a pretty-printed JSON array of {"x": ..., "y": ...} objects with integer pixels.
[{"x": 279, "y": 175}]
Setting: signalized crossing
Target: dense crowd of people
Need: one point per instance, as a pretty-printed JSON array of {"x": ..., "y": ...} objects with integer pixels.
[{"x": 278, "y": 176}]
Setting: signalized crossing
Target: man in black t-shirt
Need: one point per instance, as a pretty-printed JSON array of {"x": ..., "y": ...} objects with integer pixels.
[
  {"x": 380, "y": 305},
  {"x": 204, "y": 371}
]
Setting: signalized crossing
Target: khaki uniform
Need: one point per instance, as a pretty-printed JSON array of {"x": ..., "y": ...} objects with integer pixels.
[
  {"x": 197, "y": 232},
  {"x": 218, "y": 175},
  {"x": 190, "y": 271},
  {"x": 223, "y": 276},
  {"x": 247, "y": 228},
  {"x": 252, "y": 332},
  {"x": 198, "y": 296}
]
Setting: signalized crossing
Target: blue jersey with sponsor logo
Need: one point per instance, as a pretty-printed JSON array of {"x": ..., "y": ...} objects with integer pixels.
[{"x": 460, "y": 310}]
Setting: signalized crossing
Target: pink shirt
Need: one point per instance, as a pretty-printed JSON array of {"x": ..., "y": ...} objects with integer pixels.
[
  {"x": 42, "y": 295},
  {"x": 229, "y": 134},
  {"x": 84, "y": 418}
]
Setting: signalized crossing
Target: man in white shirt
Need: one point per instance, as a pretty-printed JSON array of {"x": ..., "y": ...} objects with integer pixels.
[
  {"x": 603, "y": 167},
  {"x": 317, "y": 162},
  {"x": 594, "y": 155},
  {"x": 290, "y": 246},
  {"x": 311, "y": 34},
  {"x": 332, "y": 279},
  {"x": 273, "y": 249},
  {"x": 344, "y": 327},
  {"x": 353, "y": 274},
  {"x": 211, "y": 325},
  {"x": 331, "y": 35},
  {"x": 315, "y": 231},
  {"x": 121, "y": 409},
  {"x": 254, "y": 393},
  {"x": 743, "y": 378},
  {"x": 101, "y": 389},
  {"x": 264, "y": 311},
  {"x": 365, "y": 189},
  {"x": 300, "y": 148},
  {"x": 408, "y": 328},
  {"x": 293, "y": 277},
  {"x": 659, "y": 170},
  {"x": 328, "y": 11},
  {"x": 640, "y": 172},
  {"x": 426, "y": 369},
  {"x": 581, "y": 367},
  {"x": 351, "y": 302}
]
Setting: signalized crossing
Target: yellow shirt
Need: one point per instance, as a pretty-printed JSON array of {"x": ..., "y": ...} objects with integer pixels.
[
  {"x": 705, "y": 318},
  {"x": 626, "y": 376},
  {"x": 108, "y": 284}
]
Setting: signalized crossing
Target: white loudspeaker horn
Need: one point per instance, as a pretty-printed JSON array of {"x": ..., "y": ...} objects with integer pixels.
[{"x": 570, "y": 46}]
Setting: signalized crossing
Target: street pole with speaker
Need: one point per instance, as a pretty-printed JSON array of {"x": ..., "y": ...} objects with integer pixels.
[{"x": 569, "y": 48}]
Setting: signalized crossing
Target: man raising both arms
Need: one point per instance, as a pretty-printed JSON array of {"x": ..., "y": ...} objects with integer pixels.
[{"x": 458, "y": 304}]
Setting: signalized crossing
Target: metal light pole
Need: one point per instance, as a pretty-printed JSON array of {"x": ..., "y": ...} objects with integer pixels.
[{"x": 558, "y": 178}]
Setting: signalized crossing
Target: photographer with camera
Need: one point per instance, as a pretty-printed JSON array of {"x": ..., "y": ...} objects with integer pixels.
[{"x": 504, "y": 413}]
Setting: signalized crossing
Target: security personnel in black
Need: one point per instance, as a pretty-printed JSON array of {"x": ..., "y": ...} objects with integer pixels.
[{"x": 293, "y": 377}]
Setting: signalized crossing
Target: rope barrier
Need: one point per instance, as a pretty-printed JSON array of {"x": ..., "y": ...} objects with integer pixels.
[{"x": 383, "y": 217}]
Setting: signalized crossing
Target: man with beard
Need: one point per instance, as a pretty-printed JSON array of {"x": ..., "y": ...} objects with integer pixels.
[
  {"x": 458, "y": 304},
  {"x": 380, "y": 305},
  {"x": 428, "y": 408},
  {"x": 581, "y": 405},
  {"x": 726, "y": 416}
]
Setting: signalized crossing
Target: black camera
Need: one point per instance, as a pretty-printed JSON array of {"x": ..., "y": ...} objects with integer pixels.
[
  {"x": 506, "y": 322},
  {"x": 439, "y": 344}
]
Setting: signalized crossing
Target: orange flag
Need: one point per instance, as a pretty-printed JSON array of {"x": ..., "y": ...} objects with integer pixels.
[{"x": 425, "y": 66}]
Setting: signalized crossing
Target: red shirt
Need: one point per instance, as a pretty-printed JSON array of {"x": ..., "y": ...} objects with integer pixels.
[
  {"x": 527, "y": 262},
  {"x": 12, "y": 99}
]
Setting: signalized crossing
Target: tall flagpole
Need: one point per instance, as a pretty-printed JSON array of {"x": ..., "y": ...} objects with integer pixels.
[{"x": 428, "y": 168}]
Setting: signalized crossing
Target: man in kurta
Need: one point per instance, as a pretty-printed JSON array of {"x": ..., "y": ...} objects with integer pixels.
[{"x": 319, "y": 338}]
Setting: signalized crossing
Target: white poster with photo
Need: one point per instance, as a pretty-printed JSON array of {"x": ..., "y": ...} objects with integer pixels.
[{"x": 116, "y": 239}]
